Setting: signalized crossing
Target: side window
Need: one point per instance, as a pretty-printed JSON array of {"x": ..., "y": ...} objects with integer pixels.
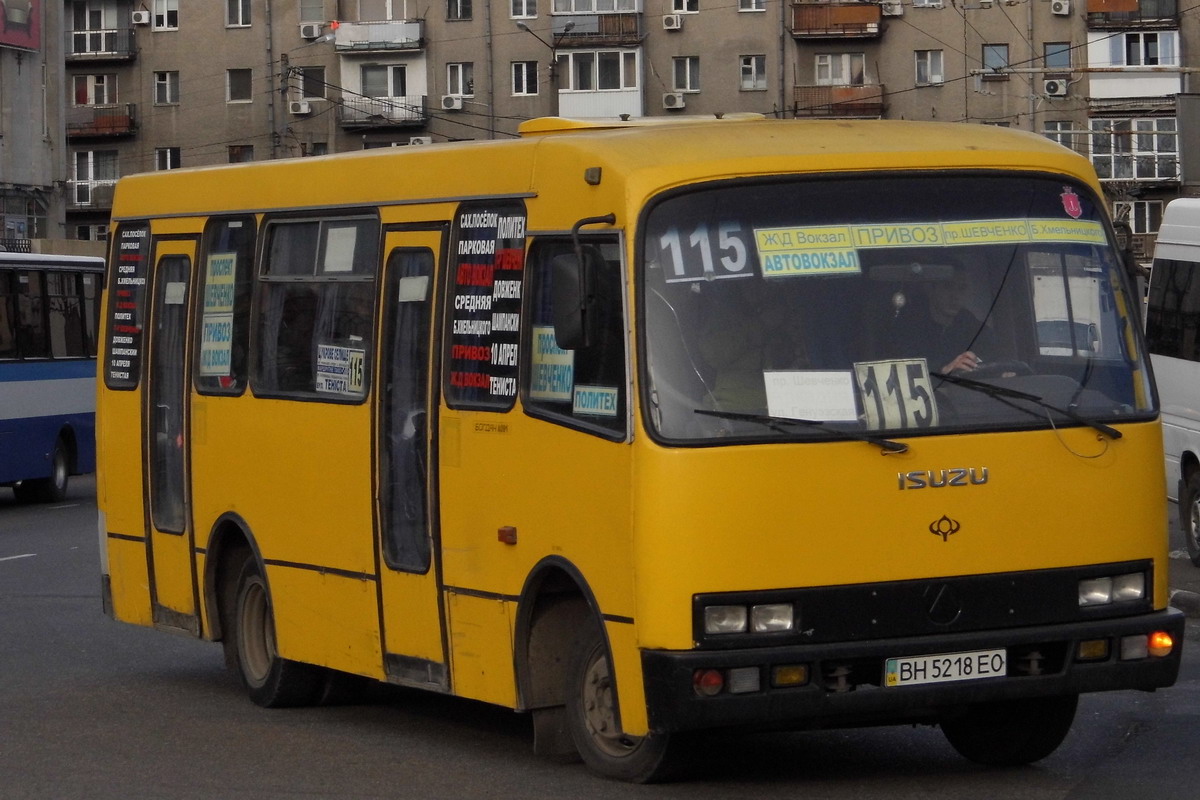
[
  {"x": 32, "y": 339},
  {"x": 68, "y": 336},
  {"x": 585, "y": 387},
  {"x": 127, "y": 305},
  {"x": 1173, "y": 310},
  {"x": 226, "y": 282},
  {"x": 315, "y": 309},
  {"x": 483, "y": 314},
  {"x": 8, "y": 317}
]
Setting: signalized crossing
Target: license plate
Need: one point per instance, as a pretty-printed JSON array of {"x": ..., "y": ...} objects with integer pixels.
[{"x": 945, "y": 667}]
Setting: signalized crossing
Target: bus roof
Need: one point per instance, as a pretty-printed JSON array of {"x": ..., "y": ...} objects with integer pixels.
[
  {"x": 649, "y": 154},
  {"x": 50, "y": 261}
]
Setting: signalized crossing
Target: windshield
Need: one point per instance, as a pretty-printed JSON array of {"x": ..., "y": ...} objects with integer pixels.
[{"x": 885, "y": 305}]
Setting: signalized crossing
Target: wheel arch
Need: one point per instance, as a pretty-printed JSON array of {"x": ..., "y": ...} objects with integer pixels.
[
  {"x": 230, "y": 541},
  {"x": 555, "y": 604}
]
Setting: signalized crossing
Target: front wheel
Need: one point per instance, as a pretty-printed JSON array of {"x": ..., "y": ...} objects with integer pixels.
[
  {"x": 1189, "y": 515},
  {"x": 51, "y": 489},
  {"x": 1012, "y": 732},
  {"x": 271, "y": 681},
  {"x": 593, "y": 722}
]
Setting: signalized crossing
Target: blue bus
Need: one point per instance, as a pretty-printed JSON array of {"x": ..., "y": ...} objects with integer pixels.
[{"x": 48, "y": 313}]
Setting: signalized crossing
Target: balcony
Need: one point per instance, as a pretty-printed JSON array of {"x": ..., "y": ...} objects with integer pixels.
[
  {"x": 623, "y": 29},
  {"x": 376, "y": 37},
  {"x": 382, "y": 112},
  {"x": 93, "y": 122},
  {"x": 839, "y": 101},
  {"x": 1136, "y": 14},
  {"x": 113, "y": 44},
  {"x": 90, "y": 195},
  {"x": 836, "y": 20}
]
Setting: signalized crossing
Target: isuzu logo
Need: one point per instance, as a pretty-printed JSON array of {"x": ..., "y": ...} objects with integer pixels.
[{"x": 937, "y": 478}]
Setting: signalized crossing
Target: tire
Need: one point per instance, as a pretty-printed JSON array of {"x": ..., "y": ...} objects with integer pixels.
[
  {"x": 52, "y": 489},
  {"x": 591, "y": 708},
  {"x": 270, "y": 681},
  {"x": 1013, "y": 732},
  {"x": 1189, "y": 515}
]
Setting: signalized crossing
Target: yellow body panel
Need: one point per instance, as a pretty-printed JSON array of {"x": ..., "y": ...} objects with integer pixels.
[{"x": 482, "y": 634}]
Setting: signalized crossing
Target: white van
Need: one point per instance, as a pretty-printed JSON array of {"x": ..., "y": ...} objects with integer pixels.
[{"x": 1173, "y": 336}]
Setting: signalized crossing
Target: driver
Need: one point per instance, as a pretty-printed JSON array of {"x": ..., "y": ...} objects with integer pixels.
[{"x": 939, "y": 325}]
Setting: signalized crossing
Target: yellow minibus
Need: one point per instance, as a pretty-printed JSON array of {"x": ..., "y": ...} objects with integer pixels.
[{"x": 645, "y": 428}]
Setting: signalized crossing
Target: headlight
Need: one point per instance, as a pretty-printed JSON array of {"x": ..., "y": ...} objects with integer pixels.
[
  {"x": 1114, "y": 589},
  {"x": 725, "y": 619},
  {"x": 772, "y": 618}
]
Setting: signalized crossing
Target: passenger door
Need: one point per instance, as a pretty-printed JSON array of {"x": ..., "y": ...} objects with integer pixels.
[
  {"x": 165, "y": 420},
  {"x": 412, "y": 615}
]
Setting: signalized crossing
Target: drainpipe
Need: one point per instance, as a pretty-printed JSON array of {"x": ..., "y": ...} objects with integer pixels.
[{"x": 272, "y": 114}]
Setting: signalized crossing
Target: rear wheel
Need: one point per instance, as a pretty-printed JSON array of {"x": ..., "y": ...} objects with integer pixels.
[
  {"x": 1189, "y": 515},
  {"x": 271, "y": 681},
  {"x": 592, "y": 721},
  {"x": 1013, "y": 732},
  {"x": 52, "y": 489}
]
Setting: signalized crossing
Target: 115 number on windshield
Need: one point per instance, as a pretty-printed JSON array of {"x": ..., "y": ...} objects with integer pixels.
[{"x": 896, "y": 394}]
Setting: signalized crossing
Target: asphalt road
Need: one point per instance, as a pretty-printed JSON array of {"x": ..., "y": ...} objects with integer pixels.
[{"x": 91, "y": 708}]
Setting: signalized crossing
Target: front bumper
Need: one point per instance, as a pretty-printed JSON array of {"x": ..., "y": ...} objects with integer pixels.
[{"x": 845, "y": 687}]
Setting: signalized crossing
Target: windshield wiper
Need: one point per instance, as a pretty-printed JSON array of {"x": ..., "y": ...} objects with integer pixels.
[
  {"x": 1001, "y": 392},
  {"x": 780, "y": 423}
]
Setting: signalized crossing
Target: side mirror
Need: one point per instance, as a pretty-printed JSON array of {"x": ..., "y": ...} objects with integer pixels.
[{"x": 575, "y": 312}]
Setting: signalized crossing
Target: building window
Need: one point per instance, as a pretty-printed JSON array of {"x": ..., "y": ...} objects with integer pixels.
[
  {"x": 995, "y": 58},
  {"x": 926, "y": 3},
  {"x": 385, "y": 80},
  {"x": 1143, "y": 216},
  {"x": 95, "y": 174},
  {"x": 166, "y": 15},
  {"x": 92, "y": 233},
  {"x": 460, "y": 79},
  {"x": 1064, "y": 132},
  {"x": 238, "y": 86},
  {"x": 841, "y": 69},
  {"x": 1057, "y": 55},
  {"x": 523, "y": 9},
  {"x": 241, "y": 153},
  {"x": 599, "y": 70},
  {"x": 166, "y": 88},
  {"x": 685, "y": 6},
  {"x": 594, "y": 6},
  {"x": 312, "y": 10},
  {"x": 687, "y": 73},
  {"x": 95, "y": 90},
  {"x": 754, "y": 73},
  {"x": 166, "y": 158},
  {"x": 1135, "y": 149},
  {"x": 524, "y": 78},
  {"x": 237, "y": 13},
  {"x": 929, "y": 67},
  {"x": 312, "y": 82},
  {"x": 1145, "y": 49},
  {"x": 752, "y": 5},
  {"x": 458, "y": 9}
]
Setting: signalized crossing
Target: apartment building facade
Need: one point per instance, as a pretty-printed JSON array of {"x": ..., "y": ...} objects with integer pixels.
[
  {"x": 161, "y": 84},
  {"x": 32, "y": 154}
]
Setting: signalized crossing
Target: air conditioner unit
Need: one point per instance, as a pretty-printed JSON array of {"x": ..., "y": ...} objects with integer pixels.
[
  {"x": 310, "y": 30},
  {"x": 673, "y": 100},
  {"x": 892, "y": 9},
  {"x": 672, "y": 22},
  {"x": 1060, "y": 7},
  {"x": 451, "y": 102},
  {"x": 1055, "y": 87},
  {"x": 141, "y": 18},
  {"x": 299, "y": 107},
  {"x": 420, "y": 140}
]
